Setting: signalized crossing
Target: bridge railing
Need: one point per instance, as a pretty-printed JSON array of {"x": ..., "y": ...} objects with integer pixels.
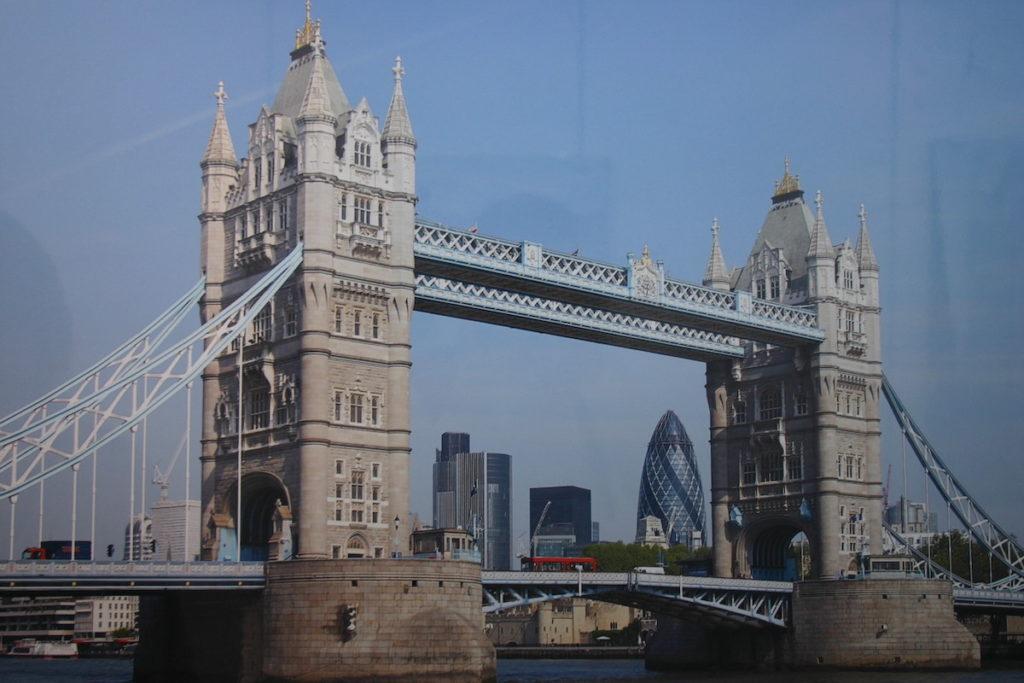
[{"x": 78, "y": 570}]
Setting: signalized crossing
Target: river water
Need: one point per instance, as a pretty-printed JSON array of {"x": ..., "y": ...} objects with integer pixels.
[{"x": 528, "y": 670}]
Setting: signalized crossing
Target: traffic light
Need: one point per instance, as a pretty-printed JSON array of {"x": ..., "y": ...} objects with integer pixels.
[
  {"x": 110, "y": 550},
  {"x": 348, "y": 622}
]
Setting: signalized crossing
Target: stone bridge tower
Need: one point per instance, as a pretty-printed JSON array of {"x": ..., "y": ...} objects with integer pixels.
[
  {"x": 795, "y": 438},
  {"x": 324, "y": 407}
]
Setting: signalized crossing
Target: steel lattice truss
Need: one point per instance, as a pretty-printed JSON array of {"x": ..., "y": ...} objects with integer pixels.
[
  {"x": 56, "y": 577},
  {"x": 982, "y": 527},
  {"x": 62, "y": 428},
  {"x": 567, "y": 319},
  {"x": 530, "y": 268},
  {"x": 761, "y": 603}
]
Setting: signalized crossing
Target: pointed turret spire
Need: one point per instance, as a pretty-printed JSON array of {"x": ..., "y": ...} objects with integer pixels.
[
  {"x": 220, "y": 148},
  {"x": 865, "y": 253},
  {"x": 397, "y": 125},
  {"x": 316, "y": 103},
  {"x": 821, "y": 243},
  {"x": 716, "y": 275}
]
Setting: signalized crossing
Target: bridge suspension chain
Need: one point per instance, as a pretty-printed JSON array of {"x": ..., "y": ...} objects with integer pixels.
[
  {"x": 37, "y": 442},
  {"x": 981, "y": 526}
]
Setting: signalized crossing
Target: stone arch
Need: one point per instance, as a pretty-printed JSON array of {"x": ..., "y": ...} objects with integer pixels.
[
  {"x": 357, "y": 547},
  {"x": 265, "y": 501},
  {"x": 768, "y": 549}
]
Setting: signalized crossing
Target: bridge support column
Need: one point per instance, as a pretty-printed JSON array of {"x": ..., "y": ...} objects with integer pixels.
[{"x": 680, "y": 644}]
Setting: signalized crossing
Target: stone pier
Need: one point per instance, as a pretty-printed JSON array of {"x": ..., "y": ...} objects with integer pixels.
[
  {"x": 413, "y": 620},
  {"x": 872, "y": 624}
]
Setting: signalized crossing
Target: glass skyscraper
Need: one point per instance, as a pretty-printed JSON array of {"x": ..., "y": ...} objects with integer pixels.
[
  {"x": 670, "y": 485},
  {"x": 473, "y": 491},
  {"x": 570, "y": 505}
]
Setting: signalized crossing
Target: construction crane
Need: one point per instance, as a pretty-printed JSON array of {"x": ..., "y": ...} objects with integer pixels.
[
  {"x": 536, "y": 529},
  {"x": 163, "y": 479},
  {"x": 885, "y": 490}
]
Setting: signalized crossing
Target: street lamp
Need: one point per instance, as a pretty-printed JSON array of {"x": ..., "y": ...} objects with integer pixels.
[{"x": 396, "y": 553}]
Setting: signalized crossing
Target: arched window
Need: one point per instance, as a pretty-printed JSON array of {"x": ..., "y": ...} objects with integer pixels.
[
  {"x": 771, "y": 404},
  {"x": 356, "y": 547}
]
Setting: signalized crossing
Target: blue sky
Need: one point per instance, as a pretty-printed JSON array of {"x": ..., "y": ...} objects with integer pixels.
[{"x": 598, "y": 126}]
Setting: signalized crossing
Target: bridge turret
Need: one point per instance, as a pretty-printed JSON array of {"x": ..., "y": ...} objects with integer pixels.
[
  {"x": 398, "y": 142},
  {"x": 716, "y": 275},
  {"x": 316, "y": 121},
  {"x": 821, "y": 265},
  {"x": 220, "y": 175}
]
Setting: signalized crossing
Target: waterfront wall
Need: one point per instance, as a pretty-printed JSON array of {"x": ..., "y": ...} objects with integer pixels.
[{"x": 413, "y": 620}]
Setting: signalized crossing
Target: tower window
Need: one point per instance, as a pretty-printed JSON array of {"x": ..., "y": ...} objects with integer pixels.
[
  {"x": 362, "y": 154},
  {"x": 362, "y": 210},
  {"x": 258, "y": 169},
  {"x": 357, "y": 485},
  {"x": 380, "y": 213},
  {"x": 339, "y": 467},
  {"x": 261, "y": 326},
  {"x": 374, "y": 414},
  {"x": 771, "y": 466},
  {"x": 761, "y": 289},
  {"x": 739, "y": 411},
  {"x": 339, "y": 398},
  {"x": 851, "y": 321},
  {"x": 270, "y": 170},
  {"x": 290, "y": 156},
  {"x": 339, "y": 319},
  {"x": 771, "y": 404},
  {"x": 355, "y": 408},
  {"x": 357, "y": 323},
  {"x": 774, "y": 286},
  {"x": 800, "y": 401},
  {"x": 343, "y": 207},
  {"x": 259, "y": 409},
  {"x": 848, "y": 279},
  {"x": 375, "y": 329},
  {"x": 749, "y": 472}
]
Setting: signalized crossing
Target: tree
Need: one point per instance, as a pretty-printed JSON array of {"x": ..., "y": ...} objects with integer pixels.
[
  {"x": 964, "y": 555},
  {"x": 621, "y": 557}
]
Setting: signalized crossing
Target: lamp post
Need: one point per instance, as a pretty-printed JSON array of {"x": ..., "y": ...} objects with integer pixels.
[{"x": 396, "y": 553}]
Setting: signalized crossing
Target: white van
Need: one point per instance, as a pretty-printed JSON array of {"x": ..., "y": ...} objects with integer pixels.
[{"x": 649, "y": 570}]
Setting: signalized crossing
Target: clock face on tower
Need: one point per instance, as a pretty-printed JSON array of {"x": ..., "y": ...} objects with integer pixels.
[{"x": 646, "y": 286}]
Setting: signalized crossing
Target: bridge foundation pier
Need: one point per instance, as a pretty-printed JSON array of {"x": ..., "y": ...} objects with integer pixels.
[{"x": 325, "y": 620}]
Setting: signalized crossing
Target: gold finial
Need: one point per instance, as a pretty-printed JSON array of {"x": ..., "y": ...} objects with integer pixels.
[
  {"x": 310, "y": 31},
  {"x": 789, "y": 182}
]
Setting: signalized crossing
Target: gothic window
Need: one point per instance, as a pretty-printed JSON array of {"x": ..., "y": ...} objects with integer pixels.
[
  {"x": 223, "y": 418},
  {"x": 258, "y": 167},
  {"x": 739, "y": 411},
  {"x": 771, "y": 466},
  {"x": 339, "y": 513},
  {"x": 848, "y": 279},
  {"x": 800, "y": 401},
  {"x": 375, "y": 328},
  {"x": 357, "y": 485},
  {"x": 749, "y": 472},
  {"x": 375, "y": 470},
  {"x": 357, "y": 324},
  {"x": 362, "y": 210},
  {"x": 760, "y": 288},
  {"x": 847, "y": 404},
  {"x": 339, "y": 398},
  {"x": 859, "y": 469},
  {"x": 374, "y": 411},
  {"x": 343, "y": 207},
  {"x": 355, "y": 408},
  {"x": 259, "y": 409},
  {"x": 290, "y": 155},
  {"x": 771, "y": 404},
  {"x": 243, "y": 225},
  {"x": 270, "y": 170},
  {"x": 339, "y": 146},
  {"x": 285, "y": 406},
  {"x": 282, "y": 214},
  {"x": 261, "y": 326},
  {"x": 291, "y": 320},
  {"x": 856, "y": 406},
  {"x": 774, "y": 286},
  {"x": 851, "y": 321},
  {"x": 838, "y": 398},
  {"x": 339, "y": 467},
  {"x": 362, "y": 153},
  {"x": 339, "y": 319},
  {"x": 339, "y": 490},
  {"x": 849, "y": 467},
  {"x": 374, "y": 518},
  {"x": 357, "y": 515},
  {"x": 380, "y": 213},
  {"x": 794, "y": 459},
  {"x": 375, "y": 493}
]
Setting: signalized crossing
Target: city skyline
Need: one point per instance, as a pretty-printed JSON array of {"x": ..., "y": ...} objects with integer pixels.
[{"x": 93, "y": 259}]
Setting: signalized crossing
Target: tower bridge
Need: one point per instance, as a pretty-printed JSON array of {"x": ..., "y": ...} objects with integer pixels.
[{"x": 313, "y": 261}]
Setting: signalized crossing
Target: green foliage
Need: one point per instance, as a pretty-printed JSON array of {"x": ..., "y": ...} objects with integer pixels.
[
  {"x": 623, "y": 636},
  {"x": 621, "y": 557},
  {"x": 963, "y": 555},
  {"x": 122, "y": 633}
]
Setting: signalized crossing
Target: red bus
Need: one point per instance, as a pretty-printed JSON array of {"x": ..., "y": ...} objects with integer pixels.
[{"x": 558, "y": 564}]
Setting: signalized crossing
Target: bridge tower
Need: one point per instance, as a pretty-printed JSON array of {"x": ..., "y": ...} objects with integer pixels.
[
  {"x": 795, "y": 438},
  {"x": 324, "y": 407}
]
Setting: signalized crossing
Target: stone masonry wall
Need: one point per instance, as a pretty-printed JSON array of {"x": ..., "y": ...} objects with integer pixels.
[
  {"x": 905, "y": 623},
  {"x": 415, "y": 619}
]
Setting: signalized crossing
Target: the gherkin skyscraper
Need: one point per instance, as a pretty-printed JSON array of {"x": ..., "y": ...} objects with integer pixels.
[{"x": 670, "y": 486}]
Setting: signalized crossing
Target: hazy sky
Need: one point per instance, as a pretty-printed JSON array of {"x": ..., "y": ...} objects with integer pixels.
[{"x": 598, "y": 126}]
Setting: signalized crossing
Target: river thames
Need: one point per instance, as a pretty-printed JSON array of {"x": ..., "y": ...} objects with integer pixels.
[{"x": 511, "y": 670}]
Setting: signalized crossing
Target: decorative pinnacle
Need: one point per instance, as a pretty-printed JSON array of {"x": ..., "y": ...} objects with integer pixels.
[
  {"x": 863, "y": 216},
  {"x": 398, "y": 69},
  {"x": 221, "y": 96},
  {"x": 310, "y": 31},
  {"x": 714, "y": 227},
  {"x": 785, "y": 161},
  {"x": 819, "y": 202}
]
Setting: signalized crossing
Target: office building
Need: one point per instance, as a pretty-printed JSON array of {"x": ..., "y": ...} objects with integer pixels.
[
  {"x": 168, "y": 528},
  {"x": 138, "y": 539},
  {"x": 474, "y": 491},
  {"x": 569, "y": 505},
  {"x": 670, "y": 485}
]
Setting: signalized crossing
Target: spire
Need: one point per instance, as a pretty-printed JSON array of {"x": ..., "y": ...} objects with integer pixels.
[
  {"x": 865, "y": 253},
  {"x": 716, "y": 275},
  {"x": 316, "y": 103},
  {"x": 788, "y": 187},
  {"x": 220, "y": 148},
  {"x": 821, "y": 243},
  {"x": 397, "y": 125}
]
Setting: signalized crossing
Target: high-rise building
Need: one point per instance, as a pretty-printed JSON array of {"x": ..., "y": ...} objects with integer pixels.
[
  {"x": 138, "y": 539},
  {"x": 570, "y": 505},
  {"x": 170, "y": 518},
  {"x": 474, "y": 491},
  {"x": 595, "y": 532},
  {"x": 918, "y": 519},
  {"x": 670, "y": 485}
]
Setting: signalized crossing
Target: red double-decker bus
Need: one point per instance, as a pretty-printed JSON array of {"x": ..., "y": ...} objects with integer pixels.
[{"x": 558, "y": 564}]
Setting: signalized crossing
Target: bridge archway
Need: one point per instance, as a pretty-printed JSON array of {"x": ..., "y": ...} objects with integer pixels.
[
  {"x": 266, "y": 517},
  {"x": 779, "y": 550}
]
